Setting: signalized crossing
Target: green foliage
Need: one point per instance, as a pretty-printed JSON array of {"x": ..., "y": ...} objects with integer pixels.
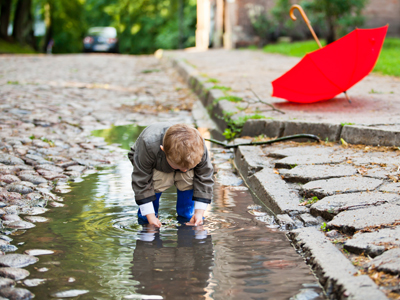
[
  {"x": 230, "y": 98},
  {"x": 235, "y": 125},
  {"x": 221, "y": 87},
  {"x": 150, "y": 71},
  {"x": 341, "y": 16},
  {"x": 347, "y": 123},
  {"x": 260, "y": 21},
  {"x": 212, "y": 80},
  {"x": 312, "y": 200},
  {"x": 324, "y": 227},
  {"x": 280, "y": 13}
]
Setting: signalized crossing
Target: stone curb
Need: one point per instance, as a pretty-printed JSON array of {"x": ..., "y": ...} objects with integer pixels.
[
  {"x": 334, "y": 271},
  {"x": 276, "y": 128},
  {"x": 265, "y": 184}
]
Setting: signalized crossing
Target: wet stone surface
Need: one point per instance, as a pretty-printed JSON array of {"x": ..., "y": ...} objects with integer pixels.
[
  {"x": 304, "y": 174},
  {"x": 6, "y": 282},
  {"x": 391, "y": 188},
  {"x": 70, "y": 293},
  {"x": 387, "y": 262},
  {"x": 293, "y": 161},
  {"x": 34, "y": 282},
  {"x": 17, "y": 260},
  {"x": 300, "y": 151},
  {"x": 322, "y": 188},
  {"x": 374, "y": 243},
  {"x": 16, "y": 293},
  {"x": 330, "y": 206},
  {"x": 14, "y": 273},
  {"x": 354, "y": 220}
]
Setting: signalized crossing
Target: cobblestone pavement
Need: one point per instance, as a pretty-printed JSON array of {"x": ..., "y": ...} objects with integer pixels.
[
  {"x": 49, "y": 105},
  {"x": 340, "y": 202},
  {"x": 345, "y": 197},
  {"x": 375, "y": 100}
]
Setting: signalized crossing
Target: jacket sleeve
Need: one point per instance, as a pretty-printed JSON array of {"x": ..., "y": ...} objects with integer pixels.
[
  {"x": 203, "y": 179},
  {"x": 143, "y": 164}
]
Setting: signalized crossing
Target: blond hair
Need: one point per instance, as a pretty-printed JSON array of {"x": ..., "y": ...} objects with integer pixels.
[{"x": 183, "y": 145}]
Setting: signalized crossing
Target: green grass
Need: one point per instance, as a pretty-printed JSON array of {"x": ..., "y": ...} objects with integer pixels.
[
  {"x": 387, "y": 64},
  {"x": 389, "y": 61},
  {"x": 298, "y": 49},
  {"x": 14, "y": 48}
]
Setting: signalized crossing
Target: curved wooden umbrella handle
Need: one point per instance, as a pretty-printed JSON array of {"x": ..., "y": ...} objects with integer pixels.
[{"x": 303, "y": 14}]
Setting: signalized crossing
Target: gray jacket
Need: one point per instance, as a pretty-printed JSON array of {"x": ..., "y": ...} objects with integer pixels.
[{"x": 146, "y": 155}]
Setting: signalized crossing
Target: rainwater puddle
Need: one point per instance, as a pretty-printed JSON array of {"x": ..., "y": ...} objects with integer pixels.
[{"x": 100, "y": 252}]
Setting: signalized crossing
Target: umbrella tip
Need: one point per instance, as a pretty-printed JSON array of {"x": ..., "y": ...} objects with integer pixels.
[{"x": 347, "y": 96}]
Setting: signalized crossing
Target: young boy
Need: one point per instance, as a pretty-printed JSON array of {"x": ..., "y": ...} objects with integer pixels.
[{"x": 165, "y": 155}]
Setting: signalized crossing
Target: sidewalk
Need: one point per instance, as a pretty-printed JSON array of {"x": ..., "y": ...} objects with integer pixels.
[
  {"x": 372, "y": 118},
  {"x": 340, "y": 203}
]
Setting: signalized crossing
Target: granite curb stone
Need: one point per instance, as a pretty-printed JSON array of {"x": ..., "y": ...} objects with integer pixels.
[
  {"x": 370, "y": 136},
  {"x": 334, "y": 271},
  {"x": 277, "y": 195}
]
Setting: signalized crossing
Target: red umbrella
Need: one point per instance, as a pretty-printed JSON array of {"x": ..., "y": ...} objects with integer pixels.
[{"x": 327, "y": 72}]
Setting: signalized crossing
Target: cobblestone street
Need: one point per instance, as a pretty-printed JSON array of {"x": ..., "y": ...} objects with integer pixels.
[
  {"x": 49, "y": 106},
  {"x": 339, "y": 203}
]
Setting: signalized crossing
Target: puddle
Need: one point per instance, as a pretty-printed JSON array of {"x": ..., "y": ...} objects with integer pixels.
[{"x": 100, "y": 251}]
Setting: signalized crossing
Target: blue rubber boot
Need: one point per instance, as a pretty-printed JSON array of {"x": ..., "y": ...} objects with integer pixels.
[
  {"x": 142, "y": 220},
  {"x": 184, "y": 205}
]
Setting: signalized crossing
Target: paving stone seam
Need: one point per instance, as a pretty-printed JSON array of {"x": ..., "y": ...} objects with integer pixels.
[
  {"x": 353, "y": 134},
  {"x": 277, "y": 197}
]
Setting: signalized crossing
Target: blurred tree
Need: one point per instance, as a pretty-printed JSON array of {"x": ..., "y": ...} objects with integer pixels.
[
  {"x": 5, "y": 14},
  {"x": 340, "y": 15},
  {"x": 280, "y": 13},
  {"x": 65, "y": 24},
  {"x": 23, "y": 23}
]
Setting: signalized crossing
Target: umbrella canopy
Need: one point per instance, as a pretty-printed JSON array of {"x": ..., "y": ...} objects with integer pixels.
[{"x": 327, "y": 72}]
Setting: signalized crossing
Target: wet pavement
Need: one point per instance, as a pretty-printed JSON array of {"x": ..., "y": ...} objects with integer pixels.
[{"x": 67, "y": 225}]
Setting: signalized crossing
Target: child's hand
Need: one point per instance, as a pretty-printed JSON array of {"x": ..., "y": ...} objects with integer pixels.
[
  {"x": 197, "y": 218},
  {"x": 153, "y": 220}
]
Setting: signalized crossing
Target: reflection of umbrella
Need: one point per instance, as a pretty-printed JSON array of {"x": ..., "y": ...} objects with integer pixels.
[{"x": 327, "y": 72}]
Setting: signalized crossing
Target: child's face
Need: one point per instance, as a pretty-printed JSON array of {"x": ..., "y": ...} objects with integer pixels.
[{"x": 174, "y": 166}]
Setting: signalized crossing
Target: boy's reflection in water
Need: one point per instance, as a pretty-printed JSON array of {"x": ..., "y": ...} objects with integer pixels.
[{"x": 173, "y": 269}]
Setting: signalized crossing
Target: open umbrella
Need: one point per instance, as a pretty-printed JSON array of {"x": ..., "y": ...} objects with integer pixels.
[{"x": 333, "y": 69}]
